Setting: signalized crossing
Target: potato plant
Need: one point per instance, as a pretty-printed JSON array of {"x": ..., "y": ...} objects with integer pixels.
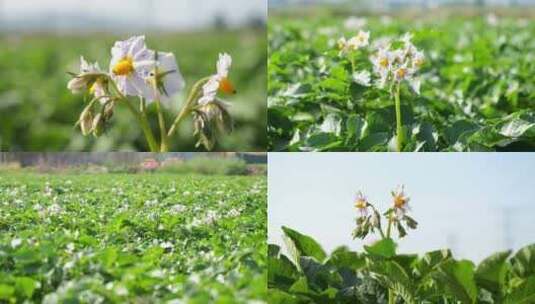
[
  {"x": 310, "y": 275},
  {"x": 146, "y": 238},
  {"x": 394, "y": 84},
  {"x": 380, "y": 274}
]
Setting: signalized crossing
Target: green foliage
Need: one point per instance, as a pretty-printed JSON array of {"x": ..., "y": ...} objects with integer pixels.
[
  {"x": 142, "y": 238},
  {"x": 385, "y": 248},
  {"x": 491, "y": 273},
  {"x": 38, "y": 112},
  {"x": 303, "y": 245},
  {"x": 477, "y": 87},
  {"x": 372, "y": 276}
]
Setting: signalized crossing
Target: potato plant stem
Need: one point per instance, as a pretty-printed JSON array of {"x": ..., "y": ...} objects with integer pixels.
[
  {"x": 193, "y": 96},
  {"x": 153, "y": 146},
  {"x": 164, "y": 147},
  {"x": 399, "y": 125},
  {"x": 389, "y": 227}
]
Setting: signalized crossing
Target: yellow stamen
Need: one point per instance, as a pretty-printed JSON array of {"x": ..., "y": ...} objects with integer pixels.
[
  {"x": 360, "y": 204},
  {"x": 93, "y": 87},
  {"x": 399, "y": 201},
  {"x": 401, "y": 72},
  {"x": 124, "y": 67},
  {"x": 383, "y": 62},
  {"x": 226, "y": 86}
]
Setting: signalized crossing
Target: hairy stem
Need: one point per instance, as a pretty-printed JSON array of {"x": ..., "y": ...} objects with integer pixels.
[
  {"x": 142, "y": 119},
  {"x": 153, "y": 146},
  {"x": 194, "y": 94},
  {"x": 389, "y": 228},
  {"x": 353, "y": 65},
  {"x": 379, "y": 227},
  {"x": 382, "y": 233},
  {"x": 399, "y": 124},
  {"x": 164, "y": 147}
]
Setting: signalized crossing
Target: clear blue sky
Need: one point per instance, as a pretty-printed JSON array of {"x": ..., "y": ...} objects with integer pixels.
[{"x": 459, "y": 199}]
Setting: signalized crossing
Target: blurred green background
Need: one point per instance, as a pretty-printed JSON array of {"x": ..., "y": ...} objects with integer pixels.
[{"x": 38, "y": 113}]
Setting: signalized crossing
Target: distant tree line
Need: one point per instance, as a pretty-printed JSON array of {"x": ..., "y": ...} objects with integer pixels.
[{"x": 59, "y": 159}]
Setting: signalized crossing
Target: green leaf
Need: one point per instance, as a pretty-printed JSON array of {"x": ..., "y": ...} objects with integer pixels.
[
  {"x": 459, "y": 128},
  {"x": 108, "y": 256},
  {"x": 430, "y": 261},
  {"x": 374, "y": 140},
  {"x": 300, "y": 286},
  {"x": 517, "y": 127},
  {"x": 318, "y": 275},
  {"x": 25, "y": 286},
  {"x": 331, "y": 124},
  {"x": 274, "y": 250},
  {"x": 280, "y": 297},
  {"x": 303, "y": 245},
  {"x": 523, "y": 294},
  {"x": 343, "y": 257},
  {"x": 524, "y": 262},
  {"x": 393, "y": 276},
  {"x": 282, "y": 273},
  {"x": 457, "y": 279},
  {"x": 490, "y": 273},
  {"x": 6, "y": 292},
  {"x": 385, "y": 248}
]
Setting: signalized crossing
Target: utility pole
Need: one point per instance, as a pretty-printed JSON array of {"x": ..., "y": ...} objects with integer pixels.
[
  {"x": 508, "y": 240},
  {"x": 452, "y": 243}
]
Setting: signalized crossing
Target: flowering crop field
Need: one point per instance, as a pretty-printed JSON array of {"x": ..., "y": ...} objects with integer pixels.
[
  {"x": 392, "y": 84},
  {"x": 39, "y": 113},
  {"x": 145, "y": 238}
]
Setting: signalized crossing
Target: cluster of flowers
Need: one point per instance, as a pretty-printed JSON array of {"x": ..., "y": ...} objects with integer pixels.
[
  {"x": 352, "y": 44},
  {"x": 369, "y": 218},
  {"x": 396, "y": 65},
  {"x": 154, "y": 77},
  {"x": 391, "y": 65}
]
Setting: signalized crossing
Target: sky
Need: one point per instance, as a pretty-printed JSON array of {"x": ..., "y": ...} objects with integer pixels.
[
  {"x": 164, "y": 13},
  {"x": 474, "y": 203},
  {"x": 416, "y": 2}
]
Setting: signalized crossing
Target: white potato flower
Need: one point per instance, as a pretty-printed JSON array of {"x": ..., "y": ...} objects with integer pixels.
[
  {"x": 399, "y": 65},
  {"x": 165, "y": 76},
  {"x": 218, "y": 81},
  {"x": 401, "y": 201},
  {"x": 359, "y": 41},
  {"x": 361, "y": 203},
  {"x": 91, "y": 78},
  {"x": 408, "y": 74},
  {"x": 362, "y": 78},
  {"x": 354, "y": 43},
  {"x": 130, "y": 64},
  {"x": 382, "y": 63}
]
